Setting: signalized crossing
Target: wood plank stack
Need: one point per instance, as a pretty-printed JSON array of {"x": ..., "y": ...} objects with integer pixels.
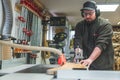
[{"x": 116, "y": 44}]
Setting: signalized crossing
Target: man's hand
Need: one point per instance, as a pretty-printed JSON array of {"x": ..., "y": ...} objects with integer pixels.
[
  {"x": 86, "y": 62},
  {"x": 94, "y": 55}
]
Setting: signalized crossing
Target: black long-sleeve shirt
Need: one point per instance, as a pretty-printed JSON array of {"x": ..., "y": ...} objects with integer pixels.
[{"x": 96, "y": 34}]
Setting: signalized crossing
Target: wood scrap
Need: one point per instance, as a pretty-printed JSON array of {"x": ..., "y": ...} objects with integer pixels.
[{"x": 66, "y": 66}]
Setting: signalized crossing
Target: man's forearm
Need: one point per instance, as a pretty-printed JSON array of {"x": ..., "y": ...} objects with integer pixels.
[{"x": 95, "y": 54}]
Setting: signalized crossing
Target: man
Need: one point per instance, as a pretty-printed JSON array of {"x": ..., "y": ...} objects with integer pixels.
[{"x": 93, "y": 35}]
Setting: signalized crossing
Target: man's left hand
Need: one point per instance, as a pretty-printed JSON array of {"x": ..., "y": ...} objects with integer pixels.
[{"x": 86, "y": 62}]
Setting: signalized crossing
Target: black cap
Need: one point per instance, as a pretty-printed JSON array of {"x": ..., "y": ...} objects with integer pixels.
[{"x": 89, "y": 5}]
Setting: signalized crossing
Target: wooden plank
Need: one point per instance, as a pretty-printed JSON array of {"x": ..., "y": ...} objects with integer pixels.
[{"x": 66, "y": 66}]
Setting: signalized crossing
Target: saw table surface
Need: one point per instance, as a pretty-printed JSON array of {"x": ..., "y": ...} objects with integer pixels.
[
  {"x": 87, "y": 75},
  {"x": 26, "y": 76},
  {"x": 26, "y": 72}
]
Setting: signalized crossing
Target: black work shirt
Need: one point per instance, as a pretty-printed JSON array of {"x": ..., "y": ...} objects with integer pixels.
[{"x": 96, "y": 34}]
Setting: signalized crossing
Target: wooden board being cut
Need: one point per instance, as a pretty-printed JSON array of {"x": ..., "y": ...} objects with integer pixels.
[{"x": 65, "y": 67}]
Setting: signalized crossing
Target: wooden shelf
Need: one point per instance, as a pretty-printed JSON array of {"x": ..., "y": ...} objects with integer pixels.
[
  {"x": 115, "y": 44},
  {"x": 115, "y": 32}
]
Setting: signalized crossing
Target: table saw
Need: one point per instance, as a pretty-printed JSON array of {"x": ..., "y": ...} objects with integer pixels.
[
  {"x": 38, "y": 72},
  {"x": 87, "y": 75}
]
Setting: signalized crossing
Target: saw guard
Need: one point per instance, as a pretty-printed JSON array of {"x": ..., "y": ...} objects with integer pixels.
[{"x": 61, "y": 60}]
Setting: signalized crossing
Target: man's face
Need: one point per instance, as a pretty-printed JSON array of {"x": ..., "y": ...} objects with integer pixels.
[{"x": 89, "y": 15}]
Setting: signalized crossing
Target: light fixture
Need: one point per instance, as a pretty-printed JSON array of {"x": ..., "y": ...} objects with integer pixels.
[
  {"x": 107, "y": 7},
  {"x": 118, "y": 23}
]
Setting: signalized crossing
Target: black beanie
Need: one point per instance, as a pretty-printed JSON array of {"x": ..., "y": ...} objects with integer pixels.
[{"x": 89, "y": 5}]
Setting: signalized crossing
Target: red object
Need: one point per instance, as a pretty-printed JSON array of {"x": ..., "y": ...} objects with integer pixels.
[
  {"x": 24, "y": 30},
  {"x": 61, "y": 60},
  {"x": 29, "y": 33},
  {"x": 21, "y": 18},
  {"x": 25, "y": 42},
  {"x": 32, "y": 6},
  {"x": 33, "y": 55}
]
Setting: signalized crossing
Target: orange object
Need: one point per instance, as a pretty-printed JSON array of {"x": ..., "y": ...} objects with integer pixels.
[
  {"x": 17, "y": 50},
  {"x": 61, "y": 60}
]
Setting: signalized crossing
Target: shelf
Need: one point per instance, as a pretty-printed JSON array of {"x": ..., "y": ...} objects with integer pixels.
[
  {"x": 115, "y": 44},
  {"x": 115, "y": 32}
]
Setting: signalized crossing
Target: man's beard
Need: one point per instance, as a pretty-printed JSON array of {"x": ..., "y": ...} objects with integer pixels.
[{"x": 89, "y": 22}]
